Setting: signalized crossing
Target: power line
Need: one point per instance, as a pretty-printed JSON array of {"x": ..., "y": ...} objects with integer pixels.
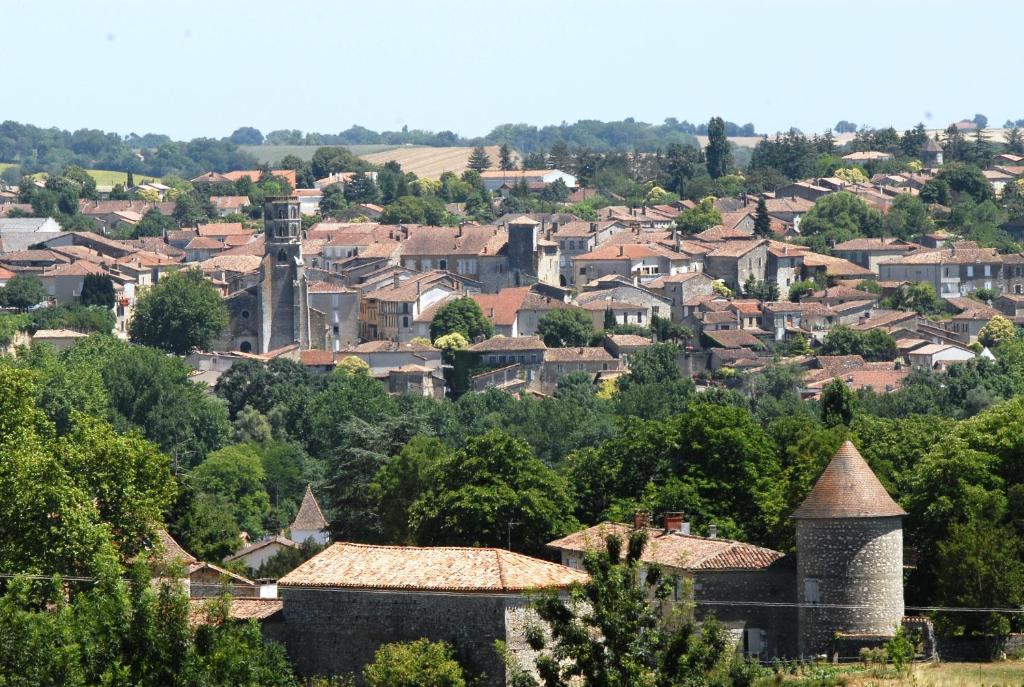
[{"x": 696, "y": 602}]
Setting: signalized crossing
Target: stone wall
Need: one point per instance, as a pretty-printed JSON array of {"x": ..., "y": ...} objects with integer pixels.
[
  {"x": 336, "y": 631},
  {"x": 776, "y": 584},
  {"x": 856, "y": 562}
]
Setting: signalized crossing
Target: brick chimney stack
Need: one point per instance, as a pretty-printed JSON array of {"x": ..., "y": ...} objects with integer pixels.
[{"x": 673, "y": 522}]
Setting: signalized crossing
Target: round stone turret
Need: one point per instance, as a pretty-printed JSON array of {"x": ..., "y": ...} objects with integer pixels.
[{"x": 849, "y": 541}]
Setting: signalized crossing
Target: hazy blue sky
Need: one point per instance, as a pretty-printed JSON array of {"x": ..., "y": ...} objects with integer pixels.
[{"x": 202, "y": 68}]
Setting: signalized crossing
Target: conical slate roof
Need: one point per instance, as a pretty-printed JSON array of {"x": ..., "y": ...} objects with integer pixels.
[
  {"x": 309, "y": 517},
  {"x": 931, "y": 146},
  {"x": 848, "y": 489}
]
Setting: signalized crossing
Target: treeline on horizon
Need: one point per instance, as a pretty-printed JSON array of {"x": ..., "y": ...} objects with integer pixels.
[{"x": 36, "y": 149}]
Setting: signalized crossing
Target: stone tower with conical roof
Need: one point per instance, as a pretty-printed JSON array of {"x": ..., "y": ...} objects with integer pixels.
[
  {"x": 309, "y": 522},
  {"x": 849, "y": 542}
]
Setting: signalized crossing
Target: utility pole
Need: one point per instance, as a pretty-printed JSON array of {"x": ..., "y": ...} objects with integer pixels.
[{"x": 509, "y": 542}]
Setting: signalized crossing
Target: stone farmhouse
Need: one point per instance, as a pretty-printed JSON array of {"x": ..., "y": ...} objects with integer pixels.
[{"x": 340, "y": 606}]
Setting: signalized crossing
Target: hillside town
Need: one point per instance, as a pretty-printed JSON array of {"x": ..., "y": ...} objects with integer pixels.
[{"x": 502, "y": 372}]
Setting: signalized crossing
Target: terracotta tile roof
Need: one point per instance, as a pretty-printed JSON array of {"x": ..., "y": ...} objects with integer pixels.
[
  {"x": 572, "y": 355},
  {"x": 628, "y": 340},
  {"x": 535, "y": 301},
  {"x": 848, "y": 489},
  {"x": 229, "y": 202},
  {"x": 502, "y": 308},
  {"x": 885, "y": 319},
  {"x": 223, "y": 229},
  {"x": 719, "y": 317},
  {"x": 409, "y": 289},
  {"x": 947, "y": 256},
  {"x": 169, "y": 550},
  {"x": 453, "y": 569},
  {"x": 204, "y": 243},
  {"x": 240, "y": 609},
  {"x": 309, "y": 517},
  {"x": 442, "y": 241},
  {"x": 79, "y": 268},
  {"x": 243, "y": 264},
  {"x": 509, "y": 343},
  {"x": 630, "y": 251},
  {"x": 327, "y": 287},
  {"x": 262, "y": 544},
  {"x": 735, "y": 249},
  {"x": 836, "y": 267},
  {"x": 316, "y": 357},
  {"x": 875, "y": 244},
  {"x": 676, "y": 278},
  {"x": 675, "y": 550},
  {"x": 734, "y": 338},
  {"x": 792, "y": 204},
  {"x": 720, "y": 233}
]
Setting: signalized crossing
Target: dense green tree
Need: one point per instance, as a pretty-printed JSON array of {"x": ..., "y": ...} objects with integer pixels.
[
  {"x": 908, "y": 217},
  {"x": 565, "y": 328},
  {"x": 98, "y": 290},
  {"x": 181, "y": 313},
  {"x": 153, "y": 392},
  {"x": 479, "y": 160},
  {"x": 402, "y": 480},
  {"x": 420, "y": 663},
  {"x": 346, "y": 395},
  {"x": 966, "y": 181},
  {"x": 23, "y": 291},
  {"x": 415, "y": 210},
  {"x": 235, "y": 473},
  {"x": 841, "y": 216},
  {"x": 461, "y": 315},
  {"x": 246, "y": 136},
  {"x": 154, "y": 223},
  {"x": 189, "y": 211},
  {"x": 717, "y": 152},
  {"x": 874, "y": 345},
  {"x": 837, "y": 403},
  {"x": 361, "y": 189},
  {"x": 654, "y": 386},
  {"x": 491, "y": 492},
  {"x": 697, "y": 219},
  {"x": 917, "y": 296}
]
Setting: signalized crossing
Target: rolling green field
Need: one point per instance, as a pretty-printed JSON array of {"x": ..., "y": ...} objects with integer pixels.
[
  {"x": 272, "y": 154},
  {"x": 103, "y": 177}
]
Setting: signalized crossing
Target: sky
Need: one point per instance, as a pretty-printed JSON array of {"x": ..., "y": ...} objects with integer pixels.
[{"x": 191, "y": 68}]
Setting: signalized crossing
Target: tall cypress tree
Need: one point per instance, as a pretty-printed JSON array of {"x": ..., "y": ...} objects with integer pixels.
[
  {"x": 717, "y": 151},
  {"x": 762, "y": 222},
  {"x": 505, "y": 161},
  {"x": 479, "y": 160}
]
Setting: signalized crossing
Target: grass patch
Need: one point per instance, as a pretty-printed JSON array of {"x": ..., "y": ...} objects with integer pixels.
[
  {"x": 996, "y": 674},
  {"x": 103, "y": 177}
]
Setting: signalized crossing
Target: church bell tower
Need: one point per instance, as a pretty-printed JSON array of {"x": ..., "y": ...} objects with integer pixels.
[{"x": 284, "y": 315}]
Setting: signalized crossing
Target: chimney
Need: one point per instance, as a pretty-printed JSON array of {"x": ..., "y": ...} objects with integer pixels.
[
  {"x": 641, "y": 519},
  {"x": 398, "y": 280},
  {"x": 644, "y": 209},
  {"x": 673, "y": 522},
  {"x": 712, "y": 531},
  {"x": 622, "y": 250},
  {"x": 459, "y": 232},
  {"x": 593, "y": 226}
]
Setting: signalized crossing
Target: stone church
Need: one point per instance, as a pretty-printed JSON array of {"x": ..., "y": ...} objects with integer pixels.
[{"x": 275, "y": 312}]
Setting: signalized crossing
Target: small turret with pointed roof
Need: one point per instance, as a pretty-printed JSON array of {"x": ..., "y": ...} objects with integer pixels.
[
  {"x": 849, "y": 543},
  {"x": 309, "y": 522}
]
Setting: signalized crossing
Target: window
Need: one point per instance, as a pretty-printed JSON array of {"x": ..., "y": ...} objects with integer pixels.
[
  {"x": 811, "y": 591},
  {"x": 988, "y": 271},
  {"x": 1017, "y": 289},
  {"x": 336, "y": 330},
  {"x": 970, "y": 270},
  {"x": 442, "y": 264},
  {"x": 245, "y": 347},
  {"x": 405, "y": 322},
  {"x": 282, "y": 256}
]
